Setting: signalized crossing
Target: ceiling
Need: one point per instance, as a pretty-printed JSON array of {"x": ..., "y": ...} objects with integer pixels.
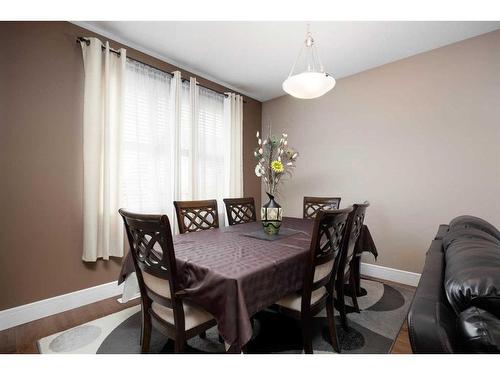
[{"x": 255, "y": 57}]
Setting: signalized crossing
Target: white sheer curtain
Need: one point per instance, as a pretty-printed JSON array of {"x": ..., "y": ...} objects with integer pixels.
[
  {"x": 200, "y": 133},
  {"x": 187, "y": 179},
  {"x": 102, "y": 121},
  {"x": 148, "y": 157},
  {"x": 233, "y": 131},
  {"x": 210, "y": 154}
]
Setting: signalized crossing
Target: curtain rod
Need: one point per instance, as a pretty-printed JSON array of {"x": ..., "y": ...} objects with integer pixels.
[{"x": 87, "y": 42}]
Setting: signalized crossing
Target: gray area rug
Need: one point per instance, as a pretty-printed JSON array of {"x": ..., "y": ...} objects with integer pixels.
[{"x": 383, "y": 311}]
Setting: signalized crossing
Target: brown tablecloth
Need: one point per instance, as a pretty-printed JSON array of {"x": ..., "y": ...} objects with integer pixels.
[
  {"x": 365, "y": 243},
  {"x": 233, "y": 276}
]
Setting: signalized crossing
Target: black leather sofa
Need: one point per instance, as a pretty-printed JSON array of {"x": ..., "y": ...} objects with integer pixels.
[{"x": 456, "y": 308}]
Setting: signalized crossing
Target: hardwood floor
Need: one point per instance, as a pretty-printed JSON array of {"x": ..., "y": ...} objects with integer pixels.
[
  {"x": 23, "y": 338},
  {"x": 402, "y": 343}
]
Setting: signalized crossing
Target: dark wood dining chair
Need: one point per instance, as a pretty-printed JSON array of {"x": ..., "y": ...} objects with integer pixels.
[
  {"x": 313, "y": 205},
  {"x": 164, "y": 303},
  {"x": 353, "y": 229},
  {"x": 193, "y": 216},
  {"x": 240, "y": 210},
  {"x": 320, "y": 269}
]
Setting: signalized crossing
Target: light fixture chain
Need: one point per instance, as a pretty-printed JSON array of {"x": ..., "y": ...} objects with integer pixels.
[
  {"x": 316, "y": 54},
  {"x": 296, "y": 60}
]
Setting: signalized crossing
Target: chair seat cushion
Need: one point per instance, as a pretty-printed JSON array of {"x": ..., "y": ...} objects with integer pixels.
[
  {"x": 157, "y": 285},
  {"x": 293, "y": 301},
  {"x": 193, "y": 315},
  {"x": 323, "y": 270},
  {"x": 480, "y": 331}
]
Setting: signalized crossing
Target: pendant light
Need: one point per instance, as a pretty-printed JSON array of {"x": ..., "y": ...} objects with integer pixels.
[{"x": 313, "y": 82}]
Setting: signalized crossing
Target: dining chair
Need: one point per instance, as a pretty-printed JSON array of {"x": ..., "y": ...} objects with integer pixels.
[
  {"x": 240, "y": 210},
  {"x": 312, "y": 205},
  {"x": 193, "y": 216},
  {"x": 164, "y": 303},
  {"x": 353, "y": 229},
  {"x": 320, "y": 266}
]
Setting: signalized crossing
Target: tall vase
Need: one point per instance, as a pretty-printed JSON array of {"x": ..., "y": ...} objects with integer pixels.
[{"x": 272, "y": 215}]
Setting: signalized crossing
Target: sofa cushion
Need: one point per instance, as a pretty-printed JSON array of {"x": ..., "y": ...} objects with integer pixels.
[
  {"x": 472, "y": 272},
  {"x": 465, "y": 235},
  {"x": 467, "y": 221},
  {"x": 479, "y": 331}
]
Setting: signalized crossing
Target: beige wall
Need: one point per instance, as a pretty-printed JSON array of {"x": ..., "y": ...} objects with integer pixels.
[
  {"x": 419, "y": 138},
  {"x": 41, "y": 165}
]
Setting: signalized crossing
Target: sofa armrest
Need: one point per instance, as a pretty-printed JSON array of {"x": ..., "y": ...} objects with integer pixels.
[
  {"x": 431, "y": 327},
  {"x": 431, "y": 321}
]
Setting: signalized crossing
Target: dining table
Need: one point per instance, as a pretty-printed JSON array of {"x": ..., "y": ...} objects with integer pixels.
[{"x": 236, "y": 271}]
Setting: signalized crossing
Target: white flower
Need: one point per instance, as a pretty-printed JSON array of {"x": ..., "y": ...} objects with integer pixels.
[
  {"x": 258, "y": 170},
  {"x": 261, "y": 151},
  {"x": 258, "y": 134}
]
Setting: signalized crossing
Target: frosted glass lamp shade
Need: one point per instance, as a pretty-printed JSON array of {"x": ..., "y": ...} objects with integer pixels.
[{"x": 308, "y": 85}]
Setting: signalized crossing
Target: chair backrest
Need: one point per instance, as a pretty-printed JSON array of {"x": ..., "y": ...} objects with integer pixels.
[
  {"x": 240, "y": 210},
  {"x": 326, "y": 245},
  {"x": 193, "y": 216},
  {"x": 353, "y": 229},
  {"x": 152, "y": 249},
  {"x": 313, "y": 205}
]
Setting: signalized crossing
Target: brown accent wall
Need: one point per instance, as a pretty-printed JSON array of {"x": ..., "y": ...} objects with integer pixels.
[
  {"x": 419, "y": 138},
  {"x": 41, "y": 165}
]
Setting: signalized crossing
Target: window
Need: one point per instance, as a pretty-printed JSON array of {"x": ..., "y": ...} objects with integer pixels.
[
  {"x": 148, "y": 152},
  {"x": 210, "y": 142},
  {"x": 147, "y": 140}
]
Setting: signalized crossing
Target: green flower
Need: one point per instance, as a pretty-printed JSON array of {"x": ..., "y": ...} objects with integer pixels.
[
  {"x": 277, "y": 166},
  {"x": 275, "y": 141}
]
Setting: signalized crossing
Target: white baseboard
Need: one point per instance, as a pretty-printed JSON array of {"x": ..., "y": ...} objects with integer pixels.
[
  {"x": 40, "y": 309},
  {"x": 390, "y": 274}
]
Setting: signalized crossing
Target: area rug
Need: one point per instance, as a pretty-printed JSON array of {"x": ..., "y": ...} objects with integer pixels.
[{"x": 373, "y": 330}]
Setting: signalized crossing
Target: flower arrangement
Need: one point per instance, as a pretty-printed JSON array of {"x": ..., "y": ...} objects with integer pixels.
[{"x": 275, "y": 160}]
